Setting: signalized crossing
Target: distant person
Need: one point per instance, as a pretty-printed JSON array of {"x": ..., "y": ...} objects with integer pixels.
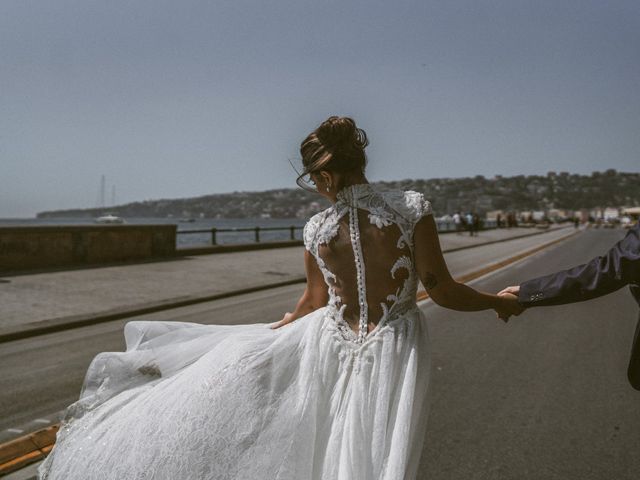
[
  {"x": 499, "y": 221},
  {"x": 337, "y": 389},
  {"x": 576, "y": 222},
  {"x": 457, "y": 222},
  {"x": 469, "y": 222},
  {"x": 464, "y": 223},
  {"x": 476, "y": 223},
  {"x": 619, "y": 267}
]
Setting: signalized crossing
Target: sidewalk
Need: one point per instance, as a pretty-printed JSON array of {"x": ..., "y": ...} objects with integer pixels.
[{"x": 31, "y": 302}]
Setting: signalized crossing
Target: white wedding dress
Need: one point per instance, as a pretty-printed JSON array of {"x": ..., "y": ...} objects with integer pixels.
[{"x": 325, "y": 397}]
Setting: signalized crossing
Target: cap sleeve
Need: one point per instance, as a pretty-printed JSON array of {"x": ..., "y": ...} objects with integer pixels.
[{"x": 310, "y": 230}]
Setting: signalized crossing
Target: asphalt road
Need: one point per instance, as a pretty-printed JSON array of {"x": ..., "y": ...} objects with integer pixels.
[{"x": 543, "y": 397}]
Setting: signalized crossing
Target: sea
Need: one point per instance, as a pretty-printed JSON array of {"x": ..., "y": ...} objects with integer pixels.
[{"x": 190, "y": 239}]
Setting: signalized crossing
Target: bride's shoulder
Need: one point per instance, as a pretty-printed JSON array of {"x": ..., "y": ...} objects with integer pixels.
[
  {"x": 408, "y": 203},
  {"x": 312, "y": 226}
]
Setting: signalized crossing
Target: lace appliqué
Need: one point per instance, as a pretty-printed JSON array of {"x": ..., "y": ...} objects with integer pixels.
[
  {"x": 327, "y": 231},
  {"x": 380, "y": 218},
  {"x": 402, "y": 262},
  {"x": 402, "y": 292}
]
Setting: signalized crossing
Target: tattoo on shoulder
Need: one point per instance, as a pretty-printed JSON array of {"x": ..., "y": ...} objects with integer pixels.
[{"x": 430, "y": 281}]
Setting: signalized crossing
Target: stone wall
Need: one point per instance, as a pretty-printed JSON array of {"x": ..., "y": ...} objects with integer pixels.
[{"x": 36, "y": 247}]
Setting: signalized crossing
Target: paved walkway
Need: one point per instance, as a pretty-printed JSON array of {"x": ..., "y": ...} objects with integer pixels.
[{"x": 59, "y": 296}]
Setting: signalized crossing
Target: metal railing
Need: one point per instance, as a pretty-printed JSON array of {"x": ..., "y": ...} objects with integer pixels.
[
  {"x": 256, "y": 231},
  {"x": 443, "y": 227}
]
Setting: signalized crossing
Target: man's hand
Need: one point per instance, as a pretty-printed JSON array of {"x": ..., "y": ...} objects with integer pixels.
[{"x": 288, "y": 318}]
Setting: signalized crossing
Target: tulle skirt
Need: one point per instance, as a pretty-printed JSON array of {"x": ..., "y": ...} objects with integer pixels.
[{"x": 245, "y": 402}]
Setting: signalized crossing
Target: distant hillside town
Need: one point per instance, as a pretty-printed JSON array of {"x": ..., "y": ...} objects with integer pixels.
[{"x": 556, "y": 195}]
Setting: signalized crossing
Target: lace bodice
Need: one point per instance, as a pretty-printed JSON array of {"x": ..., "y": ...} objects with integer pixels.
[{"x": 364, "y": 247}]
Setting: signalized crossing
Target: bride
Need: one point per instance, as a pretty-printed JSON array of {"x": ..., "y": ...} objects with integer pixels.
[{"x": 335, "y": 390}]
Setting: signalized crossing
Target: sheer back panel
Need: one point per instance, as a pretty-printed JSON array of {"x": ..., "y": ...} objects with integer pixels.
[
  {"x": 364, "y": 247},
  {"x": 380, "y": 254}
]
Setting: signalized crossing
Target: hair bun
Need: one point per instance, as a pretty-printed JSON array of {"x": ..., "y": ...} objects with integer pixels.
[
  {"x": 341, "y": 133},
  {"x": 336, "y": 145}
]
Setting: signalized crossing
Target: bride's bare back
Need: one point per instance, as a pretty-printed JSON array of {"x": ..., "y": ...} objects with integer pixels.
[{"x": 364, "y": 247}]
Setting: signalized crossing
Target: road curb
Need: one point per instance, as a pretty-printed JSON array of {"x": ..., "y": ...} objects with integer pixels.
[
  {"x": 492, "y": 242},
  {"x": 77, "y": 321},
  {"x": 28, "y": 449},
  {"x": 33, "y": 447}
]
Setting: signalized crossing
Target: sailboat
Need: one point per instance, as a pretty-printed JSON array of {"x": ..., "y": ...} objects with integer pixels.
[{"x": 109, "y": 218}]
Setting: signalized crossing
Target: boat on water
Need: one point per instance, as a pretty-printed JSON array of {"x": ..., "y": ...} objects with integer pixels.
[{"x": 109, "y": 218}]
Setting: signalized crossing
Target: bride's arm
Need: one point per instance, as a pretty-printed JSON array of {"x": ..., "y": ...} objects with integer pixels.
[
  {"x": 442, "y": 288},
  {"x": 315, "y": 294}
]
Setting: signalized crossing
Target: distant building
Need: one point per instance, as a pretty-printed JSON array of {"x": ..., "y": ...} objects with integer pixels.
[
  {"x": 633, "y": 212},
  {"x": 583, "y": 215},
  {"x": 493, "y": 214},
  {"x": 557, "y": 214},
  {"x": 611, "y": 214},
  {"x": 538, "y": 215}
]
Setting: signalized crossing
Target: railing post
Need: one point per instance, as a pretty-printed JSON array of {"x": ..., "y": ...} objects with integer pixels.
[
  {"x": 257, "y": 234},
  {"x": 292, "y": 230},
  {"x": 214, "y": 240}
]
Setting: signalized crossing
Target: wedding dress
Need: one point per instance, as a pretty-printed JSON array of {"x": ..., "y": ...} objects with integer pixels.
[{"x": 337, "y": 394}]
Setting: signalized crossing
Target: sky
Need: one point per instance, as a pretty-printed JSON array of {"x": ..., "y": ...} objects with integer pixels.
[{"x": 186, "y": 98}]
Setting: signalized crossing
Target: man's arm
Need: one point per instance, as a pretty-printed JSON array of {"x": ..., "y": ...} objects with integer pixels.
[{"x": 620, "y": 266}]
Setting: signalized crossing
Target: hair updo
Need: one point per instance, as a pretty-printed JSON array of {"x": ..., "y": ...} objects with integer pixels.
[{"x": 336, "y": 145}]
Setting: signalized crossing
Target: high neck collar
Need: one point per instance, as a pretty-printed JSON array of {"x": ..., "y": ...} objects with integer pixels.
[{"x": 351, "y": 193}]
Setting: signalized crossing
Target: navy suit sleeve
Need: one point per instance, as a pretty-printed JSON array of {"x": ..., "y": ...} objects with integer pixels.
[{"x": 620, "y": 266}]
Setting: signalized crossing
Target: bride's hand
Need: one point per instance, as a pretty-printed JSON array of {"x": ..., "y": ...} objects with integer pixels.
[
  {"x": 514, "y": 290},
  {"x": 508, "y": 306},
  {"x": 288, "y": 318}
]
